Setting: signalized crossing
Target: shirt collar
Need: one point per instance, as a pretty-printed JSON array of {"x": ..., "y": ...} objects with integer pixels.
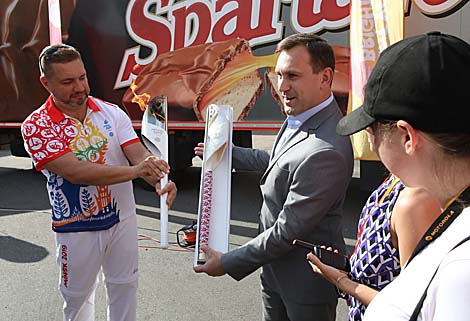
[
  {"x": 57, "y": 116},
  {"x": 297, "y": 120}
]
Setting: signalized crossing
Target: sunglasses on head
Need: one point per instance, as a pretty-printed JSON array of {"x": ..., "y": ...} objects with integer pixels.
[{"x": 48, "y": 52}]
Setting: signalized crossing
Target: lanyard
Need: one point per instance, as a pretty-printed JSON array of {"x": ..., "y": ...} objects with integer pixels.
[
  {"x": 452, "y": 210},
  {"x": 376, "y": 205}
]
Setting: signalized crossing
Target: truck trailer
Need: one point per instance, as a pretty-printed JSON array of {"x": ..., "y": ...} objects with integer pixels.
[{"x": 194, "y": 52}]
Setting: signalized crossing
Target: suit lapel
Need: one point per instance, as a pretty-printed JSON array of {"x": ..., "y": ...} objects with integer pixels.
[
  {"x": 296, "y": 138},
  {"x": 301, "y": 134}
]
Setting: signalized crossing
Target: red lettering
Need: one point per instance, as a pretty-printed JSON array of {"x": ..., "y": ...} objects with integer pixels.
[
  {"x": 243, "y": 18},
  {"x": 435, "y": 2},
  {"x": 65, "y": 274},
  {"x": 186, "y": 26},
  {"x": 125, "y": 73},
  {"x": 164, "y": 25},
  {"x": 64, "y": 252},
  {"x": 147, "y": 29}
]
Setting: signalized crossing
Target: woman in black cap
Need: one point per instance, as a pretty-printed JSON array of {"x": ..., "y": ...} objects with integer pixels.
[{"x": 416, "y": 115}]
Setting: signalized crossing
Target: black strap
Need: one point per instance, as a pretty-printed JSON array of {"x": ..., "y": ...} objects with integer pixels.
[{"x": 417, "y": 310}]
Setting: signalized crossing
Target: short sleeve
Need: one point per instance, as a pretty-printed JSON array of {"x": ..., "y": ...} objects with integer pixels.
[
  {"x": 45, "y": 140},
  {"x": 125, "y": 131}
]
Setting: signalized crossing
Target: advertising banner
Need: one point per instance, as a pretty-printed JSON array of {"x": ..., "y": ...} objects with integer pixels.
[
  {"x": 375, "y": 25},
  {"x": 198, "y": 52}
]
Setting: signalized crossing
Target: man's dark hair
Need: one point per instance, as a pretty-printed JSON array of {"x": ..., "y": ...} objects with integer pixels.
[
  {"x": 321, "y": 53},
  {"x": 56, "y": 54}
]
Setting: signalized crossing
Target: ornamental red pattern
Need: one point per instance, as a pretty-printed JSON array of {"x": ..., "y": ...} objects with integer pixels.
[
  {"x": 206, "y": 208},
  {"x": 45, "y": 138}
]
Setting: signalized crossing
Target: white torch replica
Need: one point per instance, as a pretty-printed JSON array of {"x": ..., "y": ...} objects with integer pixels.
[
  {"x": 155, "y": 137},
  {"x": 214, "y": 194}
]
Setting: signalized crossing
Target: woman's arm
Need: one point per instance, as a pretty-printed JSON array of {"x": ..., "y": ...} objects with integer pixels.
[{"x": 359, "y": 291}]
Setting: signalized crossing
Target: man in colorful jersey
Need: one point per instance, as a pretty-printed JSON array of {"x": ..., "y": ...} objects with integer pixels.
[{"x": 83, "y": 146}]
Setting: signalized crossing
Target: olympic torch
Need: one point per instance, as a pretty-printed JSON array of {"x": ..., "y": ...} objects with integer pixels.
[
  {"x": 155, "y": 137},
  {"x": 218, "y": 136}
]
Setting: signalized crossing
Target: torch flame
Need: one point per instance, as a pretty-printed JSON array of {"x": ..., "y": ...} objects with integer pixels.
[{"x": 142, "y": 100}]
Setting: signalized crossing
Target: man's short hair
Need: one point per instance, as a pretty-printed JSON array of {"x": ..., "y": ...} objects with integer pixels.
[
  {"x": 321, "y": 53},
  {"x": 56, "y": 54}
]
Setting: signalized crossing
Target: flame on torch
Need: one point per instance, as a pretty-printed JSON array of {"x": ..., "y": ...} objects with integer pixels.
[{"x": 142, "y": 100}]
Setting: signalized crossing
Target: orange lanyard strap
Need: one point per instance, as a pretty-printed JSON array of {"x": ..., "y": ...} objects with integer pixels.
[{"x": 453, "y": 209}]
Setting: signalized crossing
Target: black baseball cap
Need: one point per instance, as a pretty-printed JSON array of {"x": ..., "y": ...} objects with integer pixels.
[{"x": 424, "y": 80}]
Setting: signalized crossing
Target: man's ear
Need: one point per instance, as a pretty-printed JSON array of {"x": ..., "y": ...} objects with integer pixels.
[
  {"x": 327, "y": 76},
  {"x": 44, "y": 82},
  {"x": 410, "y": 137}
]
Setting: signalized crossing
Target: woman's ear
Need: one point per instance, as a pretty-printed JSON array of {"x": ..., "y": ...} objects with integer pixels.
[{"x": 409, "y": 138}]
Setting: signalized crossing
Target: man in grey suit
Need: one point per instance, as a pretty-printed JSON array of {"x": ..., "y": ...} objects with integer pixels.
[{"x": 303, "y": 188}]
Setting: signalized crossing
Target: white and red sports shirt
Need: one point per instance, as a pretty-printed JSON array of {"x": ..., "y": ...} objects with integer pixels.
[{"x": 49, "y": 134}]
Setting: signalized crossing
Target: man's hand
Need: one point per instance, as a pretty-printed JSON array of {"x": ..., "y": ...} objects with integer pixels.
[
  {"x": 152, "y": 166},
  {"x": 213, "y": 265},
  {"x": 199, "y": 150},
  {"x": 169, "y": 188}
]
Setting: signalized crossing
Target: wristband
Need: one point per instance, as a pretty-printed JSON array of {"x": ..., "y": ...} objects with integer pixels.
[
  {"x": 340, "y": 278},
  {"x": 340, "y": 293}
]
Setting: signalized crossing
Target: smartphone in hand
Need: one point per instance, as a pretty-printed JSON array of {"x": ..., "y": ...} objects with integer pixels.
[{"x": 339, "y": 261}]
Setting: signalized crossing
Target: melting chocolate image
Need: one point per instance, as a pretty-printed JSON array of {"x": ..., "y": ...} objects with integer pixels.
[
  {"x": 24, "y": 32},
  {"x": 224, "y": 72},
  {"x": 194, "y": 77}
]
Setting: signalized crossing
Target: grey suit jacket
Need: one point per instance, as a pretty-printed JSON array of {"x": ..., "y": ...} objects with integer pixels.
[{"x": 303, "y": 189}]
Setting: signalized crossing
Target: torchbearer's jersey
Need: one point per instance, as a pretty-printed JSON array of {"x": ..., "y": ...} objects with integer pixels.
[{"x": 48, "y": 134}]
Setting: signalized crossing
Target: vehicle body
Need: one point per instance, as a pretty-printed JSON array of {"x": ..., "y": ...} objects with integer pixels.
[{"x": 119, "y": 38}]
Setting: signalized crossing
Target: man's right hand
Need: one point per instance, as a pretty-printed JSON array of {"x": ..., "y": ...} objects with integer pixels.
[
  {"x": 152, "y": 166},
  {"x": 213, "y": 265}
]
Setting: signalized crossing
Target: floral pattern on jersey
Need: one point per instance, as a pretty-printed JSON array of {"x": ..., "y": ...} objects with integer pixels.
[
  {"x": 45, "y": 138},
  {"x": 77, "y": 202},
  {"x": 77, "y": 205},
  {"x": 89, "y": 143}
]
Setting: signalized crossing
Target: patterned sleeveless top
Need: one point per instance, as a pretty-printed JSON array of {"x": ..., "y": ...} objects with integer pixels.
[{"x": 375, "y": 262}]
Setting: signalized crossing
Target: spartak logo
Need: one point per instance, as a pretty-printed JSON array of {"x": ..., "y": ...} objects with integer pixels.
[{"x": 167, "y": 25}]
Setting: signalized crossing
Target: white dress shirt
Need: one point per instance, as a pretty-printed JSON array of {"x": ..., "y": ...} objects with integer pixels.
[{"x": 294, "y": 123}]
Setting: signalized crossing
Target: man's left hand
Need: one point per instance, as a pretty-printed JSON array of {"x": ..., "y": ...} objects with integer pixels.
[{"x": 169, "y": 188}]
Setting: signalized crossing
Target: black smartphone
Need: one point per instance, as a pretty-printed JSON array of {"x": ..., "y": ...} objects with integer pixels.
[{"x": 339, "y": 261}]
